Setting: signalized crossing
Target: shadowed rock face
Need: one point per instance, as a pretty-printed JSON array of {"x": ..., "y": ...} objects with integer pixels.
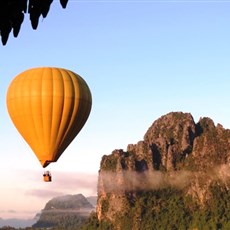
[
  {"x": 175, "y": 152},
  {"x": 170, "y": 139}
]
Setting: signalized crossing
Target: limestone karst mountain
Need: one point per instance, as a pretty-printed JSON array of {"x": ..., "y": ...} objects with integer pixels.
[{"x": 177, "y": 177}]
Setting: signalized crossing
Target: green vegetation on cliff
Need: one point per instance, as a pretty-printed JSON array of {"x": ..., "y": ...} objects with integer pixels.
[{"x": 169, "y": 209}]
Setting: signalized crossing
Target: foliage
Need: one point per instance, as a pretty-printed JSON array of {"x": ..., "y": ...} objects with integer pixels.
[
  {"x": 109, "y": 163},
  {"x": 92, "y": 224},
  {"x": 169, "y": 208},
  {"x": 60, "y": 220}
]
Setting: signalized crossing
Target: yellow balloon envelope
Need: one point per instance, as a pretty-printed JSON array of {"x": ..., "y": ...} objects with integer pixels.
[{"x": 49, "y": 106}]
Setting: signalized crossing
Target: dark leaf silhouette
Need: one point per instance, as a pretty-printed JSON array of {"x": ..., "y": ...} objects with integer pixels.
[
  {"x": 64, "y": 3},
  {"x": 35, "y": 12},
  {"x": 16, "y": 23},
  {"x": 5, "y": 30},
  {"x": 45, "y": 6},
  {"x": 12, "y": 14}
]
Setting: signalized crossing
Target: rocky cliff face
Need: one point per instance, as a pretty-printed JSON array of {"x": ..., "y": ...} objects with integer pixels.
[{"x": 176, "y": 153}]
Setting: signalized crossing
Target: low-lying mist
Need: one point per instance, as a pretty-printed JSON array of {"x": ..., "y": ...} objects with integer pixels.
[{"x": 149, "y": 180}]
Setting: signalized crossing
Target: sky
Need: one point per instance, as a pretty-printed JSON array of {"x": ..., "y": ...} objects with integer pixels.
[{"x": 140, "y": 59}]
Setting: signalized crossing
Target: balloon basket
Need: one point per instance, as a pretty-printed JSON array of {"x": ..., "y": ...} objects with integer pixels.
[{"x": 47, "y": 176}]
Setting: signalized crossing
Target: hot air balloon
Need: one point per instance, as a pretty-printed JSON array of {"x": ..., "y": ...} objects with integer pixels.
[{"x": 48, "y": 106}]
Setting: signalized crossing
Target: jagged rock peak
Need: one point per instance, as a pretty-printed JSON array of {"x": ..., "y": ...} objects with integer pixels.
[
  {"x": 170, "y": 126},
  {"x": 169, "y": 141}
]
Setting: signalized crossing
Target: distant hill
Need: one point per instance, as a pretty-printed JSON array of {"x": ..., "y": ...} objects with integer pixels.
[
  {"x": 92, "y": 200},
  {"x": 17, "y": 223},
  {"x": 67, "y": 212}
]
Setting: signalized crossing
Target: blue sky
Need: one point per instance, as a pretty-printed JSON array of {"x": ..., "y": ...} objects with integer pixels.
[{"x": 141, "y": 60}]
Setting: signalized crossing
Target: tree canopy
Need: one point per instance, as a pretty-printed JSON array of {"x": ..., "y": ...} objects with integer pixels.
[{"x": 12, "y": 14}]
